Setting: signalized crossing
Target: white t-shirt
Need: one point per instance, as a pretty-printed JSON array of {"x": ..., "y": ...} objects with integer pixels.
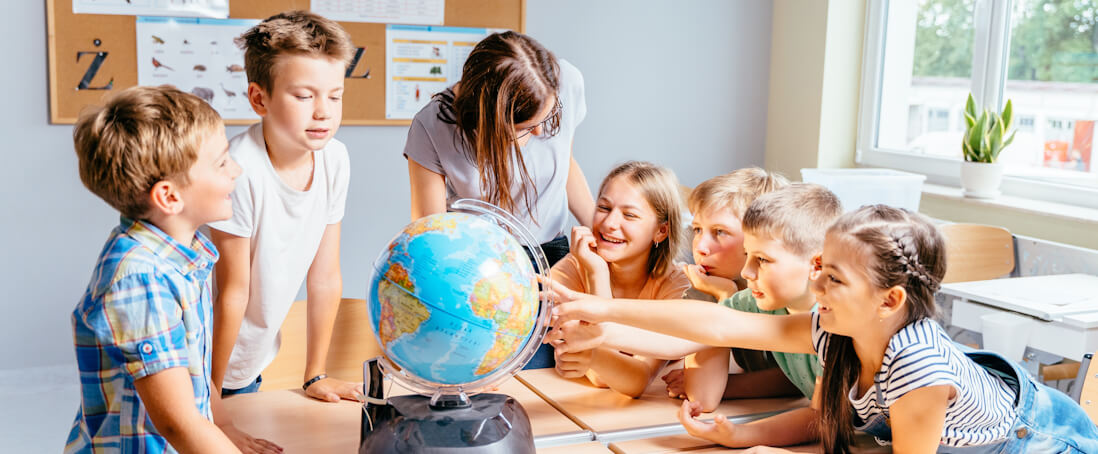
[
  {"x": 920, "y": 355},
  {"x": 437, "y": 146},
  {"x": 285, "y": 227}
]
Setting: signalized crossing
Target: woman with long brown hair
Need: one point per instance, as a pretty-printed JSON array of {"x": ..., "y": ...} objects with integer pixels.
[{"x": 503, "y": 134}]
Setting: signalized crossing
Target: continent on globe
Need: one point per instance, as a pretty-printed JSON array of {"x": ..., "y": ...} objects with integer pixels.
[
  {"x": 507, "y": 303},
  {"x": 409, "y": 313}
]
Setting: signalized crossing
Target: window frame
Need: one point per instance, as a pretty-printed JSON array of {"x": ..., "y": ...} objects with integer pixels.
[{"x": 991, "y": 49}]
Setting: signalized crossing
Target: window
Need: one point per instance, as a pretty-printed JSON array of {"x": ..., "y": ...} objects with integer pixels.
[{"x": 923, "y": 57}]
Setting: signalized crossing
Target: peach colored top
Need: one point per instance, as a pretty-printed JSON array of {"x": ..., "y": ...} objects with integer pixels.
[{"x": 671, "y": 285}]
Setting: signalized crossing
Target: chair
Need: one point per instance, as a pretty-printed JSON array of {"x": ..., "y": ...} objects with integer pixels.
[
  {"x": 977, "y": 252},
  {"x": 352, "y": 343},
  {"x": 1086, "y": 387}
]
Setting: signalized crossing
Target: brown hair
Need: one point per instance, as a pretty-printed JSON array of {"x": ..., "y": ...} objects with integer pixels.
[
  {"x": 734, "y": 191},
  {"x": 291, "y": 33},
  {"x": 507, "y": 79},
  {"x": 140, "y": 136},
  {"x": 798, "y": 215},
  {"x": 660, "y": 189},
  {"x": 902, "y": 249}
]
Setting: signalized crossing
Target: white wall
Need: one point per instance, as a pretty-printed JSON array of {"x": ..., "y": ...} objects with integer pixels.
[{"x": 683, "y": 84}]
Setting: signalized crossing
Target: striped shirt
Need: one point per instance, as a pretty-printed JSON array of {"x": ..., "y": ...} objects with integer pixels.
[
  {"x": 146, "y": 309},
  {"x": 922, "y": 354}
]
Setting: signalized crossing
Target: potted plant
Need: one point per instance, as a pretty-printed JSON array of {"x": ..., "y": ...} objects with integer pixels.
[{"x": 983, "y": 141}]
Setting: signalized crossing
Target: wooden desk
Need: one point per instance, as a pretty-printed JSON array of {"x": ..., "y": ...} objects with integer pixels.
[
  {"x": 591, "y": 447},
  {"x": 301, "y": 424},
  {"x": 614, "y": 416},
  {"x": 687, "y": 443}
]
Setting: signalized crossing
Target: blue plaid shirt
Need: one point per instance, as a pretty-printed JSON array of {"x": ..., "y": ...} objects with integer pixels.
[{"x": 146, "y": 309}]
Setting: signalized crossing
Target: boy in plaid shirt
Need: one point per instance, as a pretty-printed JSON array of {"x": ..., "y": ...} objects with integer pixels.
[{"x": 142, "y": 329}]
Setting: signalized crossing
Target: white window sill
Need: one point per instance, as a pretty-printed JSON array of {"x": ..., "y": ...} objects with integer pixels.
[{"x": 1014, "y": 204}]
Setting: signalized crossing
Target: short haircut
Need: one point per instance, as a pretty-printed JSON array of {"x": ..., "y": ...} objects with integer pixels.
[
  {"x": 660, "y": 189},
  {"x": 798, "y": 215},
  {"x": 140, "y": 136},
  {"x": 291, "y": 33},
  {"x": 734, "y": 191}
]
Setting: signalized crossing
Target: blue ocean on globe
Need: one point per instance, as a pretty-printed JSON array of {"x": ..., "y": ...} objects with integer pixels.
[{"x": 453, "y": 298}]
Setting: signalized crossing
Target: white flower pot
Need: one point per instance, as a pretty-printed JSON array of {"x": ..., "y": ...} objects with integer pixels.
[{"x": 981, "y": 180}]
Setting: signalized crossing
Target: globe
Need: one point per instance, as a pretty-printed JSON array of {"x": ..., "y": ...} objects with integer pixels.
[{"x": 454, "y": 303}]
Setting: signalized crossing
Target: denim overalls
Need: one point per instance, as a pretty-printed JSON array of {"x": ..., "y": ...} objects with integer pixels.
[{"x": 1048, "y": 420}]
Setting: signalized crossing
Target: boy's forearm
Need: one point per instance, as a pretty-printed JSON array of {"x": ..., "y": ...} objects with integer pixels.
[
  {"x": 227, "y": 316},
  {"x": 705, "y": 375},
  {"x": 323, "y": 305},
  {"x": 169, "y": 400},
  {"x": 791, "y": 428}
]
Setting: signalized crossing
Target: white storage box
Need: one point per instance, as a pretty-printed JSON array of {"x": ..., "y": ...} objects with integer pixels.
[{"x": 858, "y": 187}]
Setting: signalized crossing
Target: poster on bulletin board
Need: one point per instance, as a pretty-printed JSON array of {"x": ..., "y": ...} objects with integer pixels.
[
  {"x": 198, "y": 56},
  {"x": 187, "y": 8},
  {"x": 422, "y": 61}
]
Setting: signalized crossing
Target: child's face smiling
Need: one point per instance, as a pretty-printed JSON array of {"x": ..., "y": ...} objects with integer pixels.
[
  {"x": 776, "y": 276},
  {"x": 848, "y": 300},
  {"x": 718, "y": 243},
  {"x": 305, "y": 105},
  {"x": 625, "y": 225},
  {"x": 211, "y": 180}
]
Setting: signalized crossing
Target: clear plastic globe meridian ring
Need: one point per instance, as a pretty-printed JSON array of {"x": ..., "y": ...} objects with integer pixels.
[{"x": 455, "y": 305}]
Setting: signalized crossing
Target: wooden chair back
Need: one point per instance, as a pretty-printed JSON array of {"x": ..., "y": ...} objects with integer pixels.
[
  {"x": 977, "y": 252},
  {"x": 1088, "y": 387},
  {"x": 352, "y": 343}
]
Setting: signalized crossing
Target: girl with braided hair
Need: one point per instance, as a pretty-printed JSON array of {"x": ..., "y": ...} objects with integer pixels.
[{"x": 888, "y": 368}]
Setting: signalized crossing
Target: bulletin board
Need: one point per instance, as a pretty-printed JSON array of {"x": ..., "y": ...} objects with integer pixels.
[{"x": 91, "y": 55}]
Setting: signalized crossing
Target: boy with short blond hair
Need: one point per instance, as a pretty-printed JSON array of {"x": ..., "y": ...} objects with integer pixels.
[
  {"x": 141, "y": 330},
  {"x": 783, "y": 233},
  {"x": 287, "y": 207}
]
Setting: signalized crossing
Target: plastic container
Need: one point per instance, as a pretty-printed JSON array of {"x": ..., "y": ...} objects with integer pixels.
[{"x": 858, "y": 187}]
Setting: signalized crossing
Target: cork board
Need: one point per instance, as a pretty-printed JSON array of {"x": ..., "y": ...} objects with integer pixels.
[{"x": 91, "y": 55}]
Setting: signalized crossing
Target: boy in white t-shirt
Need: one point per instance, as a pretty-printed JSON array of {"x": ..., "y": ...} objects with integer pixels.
[{"x": 287, "y": 206}]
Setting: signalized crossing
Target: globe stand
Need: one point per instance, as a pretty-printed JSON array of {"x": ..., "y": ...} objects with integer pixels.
[
  {"x": 441, "y": 401},
  {"x": 487, "y": 423}
]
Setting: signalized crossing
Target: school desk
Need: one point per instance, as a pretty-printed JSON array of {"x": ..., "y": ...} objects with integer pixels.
[
  {"x": 302, "y": 424},
  {"x": 614, "y": 416},
  {"x": 1062, "y": 310},
  {"x": 687, "y": 443}
]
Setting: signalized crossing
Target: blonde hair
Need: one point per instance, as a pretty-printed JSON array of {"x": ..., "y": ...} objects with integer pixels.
[
  {"x": 798, "y": 215},
  {"x": 291, "y": 33},
  {"x": 734, "y": 191},
  {"x": 659, "y": 186},
  {"x": 140, "y": 136}
]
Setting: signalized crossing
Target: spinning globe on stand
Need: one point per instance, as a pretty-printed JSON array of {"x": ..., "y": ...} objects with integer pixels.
[{"x": 455, "y": 306}]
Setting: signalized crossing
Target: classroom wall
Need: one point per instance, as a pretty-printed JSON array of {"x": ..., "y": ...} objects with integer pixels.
[{"x": 683, "y": 84}]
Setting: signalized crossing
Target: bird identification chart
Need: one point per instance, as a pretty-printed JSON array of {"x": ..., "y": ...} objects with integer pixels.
[
  {"x": 186, "y": 8},
  {"x": 196, "y": 55},
  {"x": 421, "y": 61}
]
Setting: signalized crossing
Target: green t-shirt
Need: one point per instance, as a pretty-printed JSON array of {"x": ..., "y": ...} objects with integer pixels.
[{"x": 801, "y": 368}]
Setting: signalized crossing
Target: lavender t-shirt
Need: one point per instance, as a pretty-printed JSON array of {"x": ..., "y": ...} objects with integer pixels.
[{"x": 437, "y": 146}]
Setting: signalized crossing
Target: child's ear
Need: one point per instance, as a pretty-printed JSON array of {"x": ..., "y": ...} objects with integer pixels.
[
  {"x": 817, "y": 267},
  {"x": 895, "y": 298},
  {"x": 258, "y": 98},
  {"x": 164, "y": 198},
  {"x": 661, "y": 233}
]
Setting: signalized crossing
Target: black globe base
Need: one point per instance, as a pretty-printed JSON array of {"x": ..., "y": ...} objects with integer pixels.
[{"x": 493, "y": 423}]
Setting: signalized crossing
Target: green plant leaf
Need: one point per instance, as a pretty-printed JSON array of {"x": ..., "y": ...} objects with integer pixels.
[
  {"x": 970, "y": 106},
  {"x": 969, "y": 120},
  {"x": 1007, "y": 115}
]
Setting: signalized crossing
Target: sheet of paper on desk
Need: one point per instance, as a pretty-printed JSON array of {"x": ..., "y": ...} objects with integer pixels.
[
  {"x": 1061, "y": 293},
  {"x": 1057, "y": 296}
]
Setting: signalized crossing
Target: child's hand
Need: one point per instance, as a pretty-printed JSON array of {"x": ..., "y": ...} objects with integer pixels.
[
  {"x": 576, "y": 336},
  {"x": 248, "y": 444},
  {"x": 583, "y": 247},
  {"x": 717, "y": 286},
  {"x": 332, "y": 390},
  {"x": 676, "y": 384},
  {"x": 573, "y": 305},
  {"x": 719, "y": 431},
  {"x": 573, "y": 364}
]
